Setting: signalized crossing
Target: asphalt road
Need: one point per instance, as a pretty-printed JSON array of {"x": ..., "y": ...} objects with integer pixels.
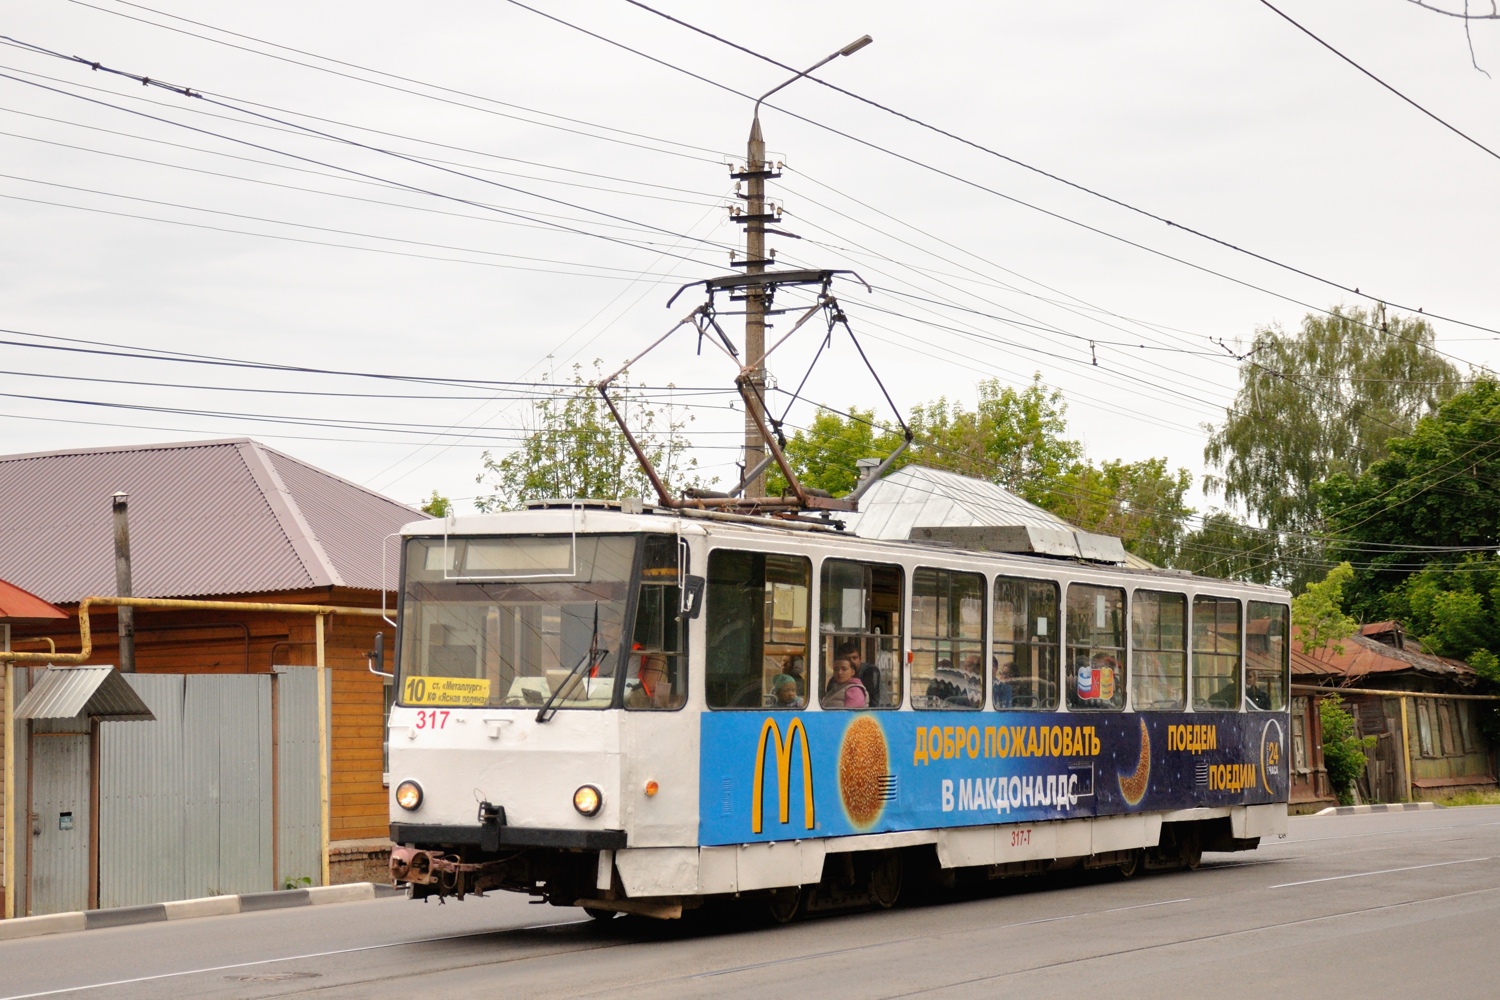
[{"x": 1385, "y": 905}]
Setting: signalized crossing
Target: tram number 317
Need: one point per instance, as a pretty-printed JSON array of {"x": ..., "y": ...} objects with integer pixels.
[
  {"x": 1020, "y": 838},
  {"x": 432, "y": 718}
]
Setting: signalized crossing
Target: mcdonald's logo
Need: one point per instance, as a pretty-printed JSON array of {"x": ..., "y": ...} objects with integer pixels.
[{"x": 783, "y": 774}]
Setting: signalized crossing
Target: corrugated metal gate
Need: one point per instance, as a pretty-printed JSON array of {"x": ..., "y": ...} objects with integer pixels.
[
  {"x": 60, "y": 849},
  {"x": 185, "y": 803}
]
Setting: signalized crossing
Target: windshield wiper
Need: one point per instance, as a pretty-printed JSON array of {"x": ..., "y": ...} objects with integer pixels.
[{"x": 592, "y": 658}]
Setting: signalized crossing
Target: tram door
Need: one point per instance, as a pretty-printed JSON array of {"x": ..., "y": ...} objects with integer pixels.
[{"x": 60, "y": 821}]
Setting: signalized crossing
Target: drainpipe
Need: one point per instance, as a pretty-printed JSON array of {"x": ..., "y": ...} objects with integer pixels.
[
  {"x": 126, "y": 619},
  {"x": 10, "y": 779}
]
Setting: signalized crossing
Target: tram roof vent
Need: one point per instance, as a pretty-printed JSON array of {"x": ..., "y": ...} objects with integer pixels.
[
  {"x": 1042, "y": 540},
  {"x": 627, "y": 505}
]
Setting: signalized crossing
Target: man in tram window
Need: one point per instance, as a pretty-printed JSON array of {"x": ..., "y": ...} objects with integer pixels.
[
  {"x": 651, "y": 687},
  {"x": 868, "y": 673}
]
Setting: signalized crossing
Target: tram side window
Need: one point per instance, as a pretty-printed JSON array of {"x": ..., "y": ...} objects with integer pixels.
[
  {"x": 1096, "y": 647},
  {"x": 1028, "y": 643},
  {"x": 1158, "y": 635},
  {"x": 656, "y": 671},
  {"x": 1267, "y": 656},
  {"x": 756, "y": 625},
  {"x": 860, "y": 621},
  {"x": 1216, "y": 653},
  {"x": 947, "y": 639}
]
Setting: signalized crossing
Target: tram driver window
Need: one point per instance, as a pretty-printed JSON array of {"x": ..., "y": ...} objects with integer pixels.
[
  {"x": 947, "y": 639},
  {"x": 756, "y": 627},
  {"x": 1158, "y": 635},
  {"x": 860, "y": 620},
  {"x": 1267, "y": 656},
  {"x": 1096, "y": 647},
  {"x": 1028, "y": 644},
  {"x": 656, "y": 668},
  {"x": 1216, "y": 653}
]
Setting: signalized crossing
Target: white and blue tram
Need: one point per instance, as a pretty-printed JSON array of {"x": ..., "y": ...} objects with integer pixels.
[{"x": 635, "y": 711}]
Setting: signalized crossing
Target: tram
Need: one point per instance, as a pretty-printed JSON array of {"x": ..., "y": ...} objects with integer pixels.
[{"x": 637, "y": 710}]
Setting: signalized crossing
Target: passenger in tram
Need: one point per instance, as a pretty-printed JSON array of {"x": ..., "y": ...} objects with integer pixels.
[
  {"x": 868, "y": 673},
  {"x": 845, "y": 690},
  {"x": 1256, "y": 695},
  {"x": 795, "y": 666},
  {"x": 1005, "y": 677},
  {"x": 652, "y": 689},
  {"x": 785, "y": 692}
]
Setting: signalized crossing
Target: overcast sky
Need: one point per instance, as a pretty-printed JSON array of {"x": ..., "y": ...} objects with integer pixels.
[{"x": 575, "y": 185}]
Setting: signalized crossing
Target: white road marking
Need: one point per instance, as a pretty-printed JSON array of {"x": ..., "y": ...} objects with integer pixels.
[
  {"x": 286, "y": 958},
  {"x": 1383, "y": 871}
]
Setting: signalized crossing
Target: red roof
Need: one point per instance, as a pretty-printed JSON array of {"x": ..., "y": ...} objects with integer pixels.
[
  {"x": 1363, "y": 656},
  {"x": 18, "y": 603}
]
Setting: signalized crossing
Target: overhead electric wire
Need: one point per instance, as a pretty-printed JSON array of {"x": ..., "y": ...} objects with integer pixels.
[
  {"x": 394, "y": 183},
  {"x": 394, "y": 76},
  {"x": 1085, "y": 189},
  {"x": 1450, "y": 127}
]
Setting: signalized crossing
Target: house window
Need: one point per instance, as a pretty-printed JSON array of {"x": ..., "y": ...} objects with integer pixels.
[{"x": 1299, "y": 735}]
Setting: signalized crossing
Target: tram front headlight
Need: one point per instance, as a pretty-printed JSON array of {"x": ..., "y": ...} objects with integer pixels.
[
  {"x": 588, "y": 800},
  {"x": 408, "y": 795}
]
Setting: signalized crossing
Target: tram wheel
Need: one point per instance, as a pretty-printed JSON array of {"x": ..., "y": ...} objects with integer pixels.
[
  {"x": 885, "y": 879},
  {"x": 785, "y": 905},
  {"x": 1192, "y": 853},
  {"x": 603, "y": 916},
  {"x": 1132, "y": 867}
]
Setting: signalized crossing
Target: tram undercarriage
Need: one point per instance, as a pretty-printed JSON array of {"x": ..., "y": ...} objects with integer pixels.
[{"x": 849, "y": 879}]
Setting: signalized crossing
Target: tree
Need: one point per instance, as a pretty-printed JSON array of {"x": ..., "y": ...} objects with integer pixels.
[
  {"x": 1224, "y": 546},
  {"x": 1324, "y": 401},
  {"x": 1440, "y": 488},
  {"x": 1318, "y": 612},
  {"x": 1343, "y": 751},
  {"x": 437, "y": 505},
  {"x": 825, "y": 455},
  {"x": 1142, "y": 503},
  {"x": 574, "y": 450},
  {"x": 1013, "y": 438}
]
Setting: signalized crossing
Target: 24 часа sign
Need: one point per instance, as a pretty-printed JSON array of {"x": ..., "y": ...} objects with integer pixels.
[{"x": 793, "y": 775}]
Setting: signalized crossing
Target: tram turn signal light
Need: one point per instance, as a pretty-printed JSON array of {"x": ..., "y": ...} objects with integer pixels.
[
  {"x": 588, "y": 800},
  {"x": 652, "y": 788},
  {"x": 408, "y": 795}
]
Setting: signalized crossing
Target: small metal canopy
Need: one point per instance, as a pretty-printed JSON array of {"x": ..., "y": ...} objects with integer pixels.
[{"x": 79, "y": 692}]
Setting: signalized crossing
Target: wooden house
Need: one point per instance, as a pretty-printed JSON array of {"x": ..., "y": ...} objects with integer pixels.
[{"x": 228, "y": 520}]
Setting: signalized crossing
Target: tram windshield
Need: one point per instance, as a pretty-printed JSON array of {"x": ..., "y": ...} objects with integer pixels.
[{"x": 509, "y": 621}]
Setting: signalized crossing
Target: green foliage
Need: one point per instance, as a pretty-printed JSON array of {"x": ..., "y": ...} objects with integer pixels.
[
  {"x": 1343, "y": 751},
  {"x": 1224, "y": 546},
  {"x": 1438, "y": 487},
  {"x": 1318, "y": 612},
  {"x": 1142, "y": 503},
  {"x": 824, "y": 455},
  {"x": 299, "y": 881},
  {"x": 437, "y": 505},
  {"x": 1325, "y": 401},
  {"x": 574, "y": 450},
  {"x": 1013, "y": 438}
]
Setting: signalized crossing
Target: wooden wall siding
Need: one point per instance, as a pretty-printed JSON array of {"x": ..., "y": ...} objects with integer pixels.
[{"x": 214, "y": 642}]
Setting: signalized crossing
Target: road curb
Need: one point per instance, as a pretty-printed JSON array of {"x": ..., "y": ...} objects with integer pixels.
[
  {"x": 1384, "y": 807},
  {"x": 208, "y": 906}
]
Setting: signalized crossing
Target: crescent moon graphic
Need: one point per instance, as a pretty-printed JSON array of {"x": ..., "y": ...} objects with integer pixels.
[{"x": 1133, "y": 787}]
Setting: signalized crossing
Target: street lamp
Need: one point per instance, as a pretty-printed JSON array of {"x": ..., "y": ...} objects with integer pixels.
[{"x": 755, "y": 175}]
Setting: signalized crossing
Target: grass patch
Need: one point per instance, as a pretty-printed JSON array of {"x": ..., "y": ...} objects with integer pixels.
[{"x": 1472, "y": 799}]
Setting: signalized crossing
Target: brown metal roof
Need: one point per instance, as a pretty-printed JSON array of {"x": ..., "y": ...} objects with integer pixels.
[
  {"x": 17, "y": 603},
  {"x": 1364, "y": 656},
  {"x": 206, "y": 518}
]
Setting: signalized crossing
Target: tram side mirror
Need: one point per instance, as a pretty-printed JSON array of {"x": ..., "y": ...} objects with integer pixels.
[
  {"x": 376, "y": 656},
  {"x": 692, "y": 597}
]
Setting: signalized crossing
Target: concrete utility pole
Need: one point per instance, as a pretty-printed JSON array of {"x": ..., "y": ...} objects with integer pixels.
[
  {"x": 126, "y": 620},
  {"x": 755, "y": 174}
]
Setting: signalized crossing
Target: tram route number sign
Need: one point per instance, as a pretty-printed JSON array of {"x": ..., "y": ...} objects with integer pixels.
[{"x": 445, "y": 691}]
